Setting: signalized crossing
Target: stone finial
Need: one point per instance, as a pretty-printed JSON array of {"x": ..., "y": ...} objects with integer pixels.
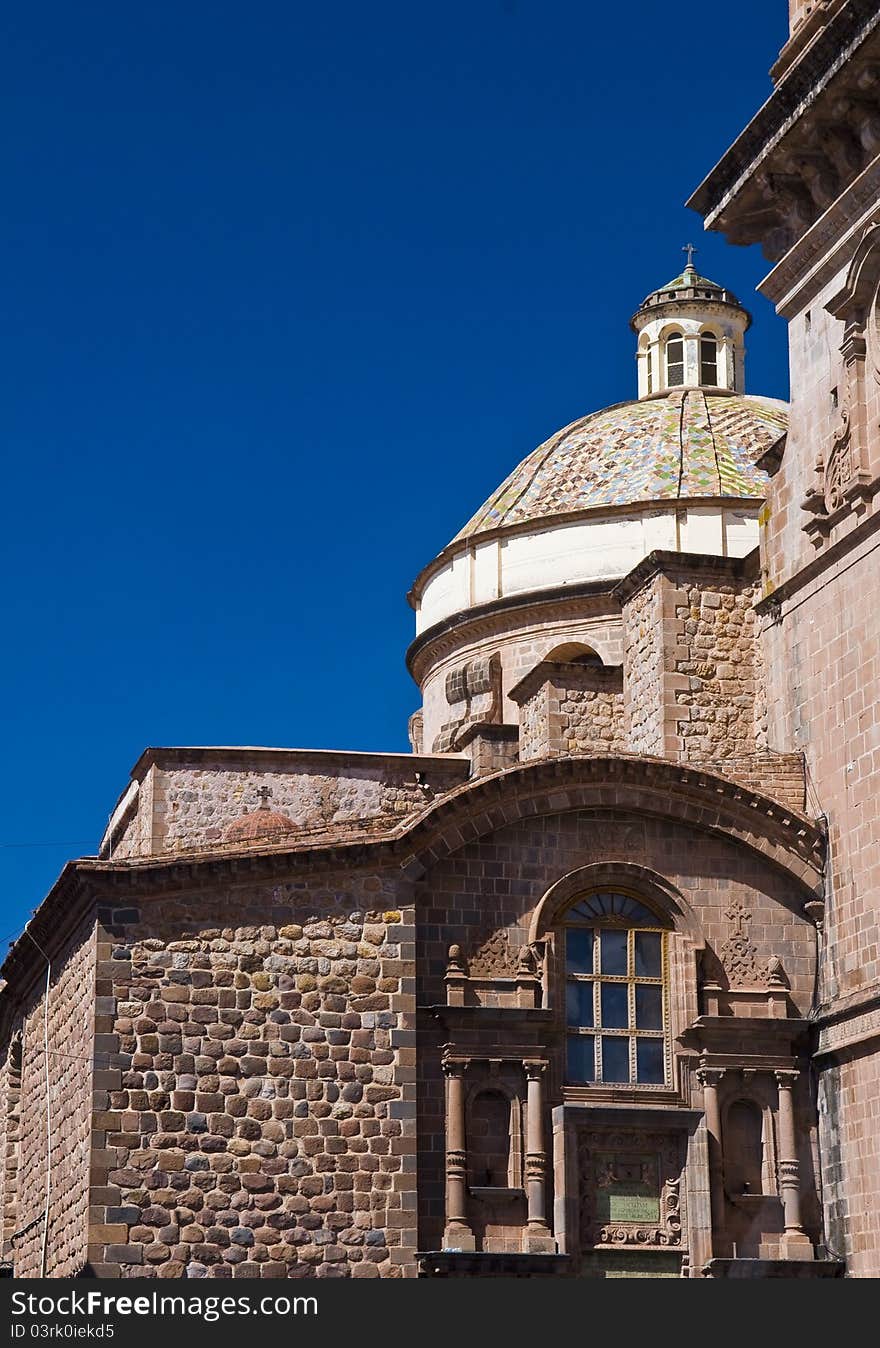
[
  {"x": 454, "y": 962},
  {"x": 775, "y": 973}
]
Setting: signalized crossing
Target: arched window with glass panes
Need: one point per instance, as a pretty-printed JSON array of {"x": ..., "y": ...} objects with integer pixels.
[
  {"x": 674, "y": 360},
  {"x": 616, "y": 992}
]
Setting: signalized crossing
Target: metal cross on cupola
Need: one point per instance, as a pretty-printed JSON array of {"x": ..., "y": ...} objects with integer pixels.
[{"x": 690, "y": 250}]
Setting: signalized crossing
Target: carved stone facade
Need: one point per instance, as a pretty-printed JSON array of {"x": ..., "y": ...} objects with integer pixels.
[
  {"x": 803, "y": 179},
  {"x": 548, "y": 999}
]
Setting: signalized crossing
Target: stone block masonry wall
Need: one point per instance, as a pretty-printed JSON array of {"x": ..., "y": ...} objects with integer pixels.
[
  {"x": 850, "y": 1145},
  {"x": 256, "y": 1118},
  {"x": 824, "y": 649},
  {"x": 187, "y": 803},
  {"x": 694, "y": 681},
  {"x": 71, "y": 1020},
  {"x": 10, "y": 1095},
  {"x": 822, "y": 644},
  {"x": 571, "y": 709},
  {"x": 643, "y": 680},
  {"x": 716, "y": 654}
]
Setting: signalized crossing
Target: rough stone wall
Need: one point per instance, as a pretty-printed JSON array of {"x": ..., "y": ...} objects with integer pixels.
[
  {"x": 576, "y": 710},
  {"x": 534, "y": 724},
  {"x": 257, "y": 1119},
  {"x": 643, "y": 670},
  {"x": 199, "y": 803},
  {"x": 493, "y": 885},
  {"x": 592, "y": 719},
  {"x": 71, "y": 1025},
  {"x": 188, "y": 804},
  {"x": 716, "y": 717}
]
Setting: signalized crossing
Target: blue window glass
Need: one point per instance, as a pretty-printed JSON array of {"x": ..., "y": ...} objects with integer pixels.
[
  {"x": 648, "y": 954},
  {"x": 614, "y": 945},
  {"x": 579, "y": 950},
  {"x": 615, "y": 1011},
  {"x": 650, "y": 1068},
  {"x": 581, "y": 1064},
  {"x": 649, "y": 1006},
  {"x": 579, "y": 1003},
  {"x": 615, "y": 1058}
]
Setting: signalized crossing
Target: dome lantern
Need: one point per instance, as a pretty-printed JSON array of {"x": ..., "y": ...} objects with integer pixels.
[{"x": 691, "y": 334}]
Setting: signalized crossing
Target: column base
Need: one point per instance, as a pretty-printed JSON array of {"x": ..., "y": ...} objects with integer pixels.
[
  {"x": 459, "y": 1239},
  {"x": 797, "y": 1245},
  {"x": 539, "y": 1241}
]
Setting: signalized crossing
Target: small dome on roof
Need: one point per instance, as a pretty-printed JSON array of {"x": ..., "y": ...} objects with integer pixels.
[{"x": 260, "y": 825}]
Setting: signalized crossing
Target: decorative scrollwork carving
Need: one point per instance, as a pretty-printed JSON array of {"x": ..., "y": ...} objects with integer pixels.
[
  {"x": 839, "y": 469},
  {"x": 639, "y": 1170},
  {"x": 493, "y": 958}
]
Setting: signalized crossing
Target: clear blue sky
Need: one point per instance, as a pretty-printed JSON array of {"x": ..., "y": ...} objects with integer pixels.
[{"x": 286, "y": 290}]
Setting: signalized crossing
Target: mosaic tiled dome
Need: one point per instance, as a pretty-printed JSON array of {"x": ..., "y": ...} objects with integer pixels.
[{"x": 685, "y": 445}]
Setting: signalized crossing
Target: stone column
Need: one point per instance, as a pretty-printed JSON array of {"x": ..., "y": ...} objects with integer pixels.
[
  {"x": 795, "y": 1241},
  {"x": 458, "y": 1234},
  {"x": 710, "y": 1079},
  {"x": 538, "y": 1237}
]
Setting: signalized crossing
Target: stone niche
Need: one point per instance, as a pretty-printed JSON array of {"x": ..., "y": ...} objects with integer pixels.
[{"x": 570, "y": 708}]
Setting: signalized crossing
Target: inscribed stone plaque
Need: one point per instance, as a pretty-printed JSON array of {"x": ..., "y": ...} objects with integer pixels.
[{"x": 627, "y": 1189}]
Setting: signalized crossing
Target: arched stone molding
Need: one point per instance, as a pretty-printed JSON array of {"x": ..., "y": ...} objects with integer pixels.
[
  {"x": 664, "y": 897},
  {"x": 789, "y": 841}
]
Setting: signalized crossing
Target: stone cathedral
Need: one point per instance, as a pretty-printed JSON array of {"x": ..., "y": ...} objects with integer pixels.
[{"x": 588, "y": 984}]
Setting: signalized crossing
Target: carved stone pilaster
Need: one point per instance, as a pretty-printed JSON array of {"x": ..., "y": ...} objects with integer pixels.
[
  {"x": 795, "y": 1241},
  {"x": 538, "y": 1237},
  {"x": 457, "y": 1234},
  {"x": 710, "y": 1079}
]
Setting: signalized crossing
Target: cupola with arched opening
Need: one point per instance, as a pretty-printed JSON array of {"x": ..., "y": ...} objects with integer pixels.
[{"x": 691, "y": 335}]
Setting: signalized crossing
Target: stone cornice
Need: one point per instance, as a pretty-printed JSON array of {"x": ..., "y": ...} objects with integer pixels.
[
  {"x": 491, "y": 617},
  {"x": 265, "y": 759},
  {"x": 801, "y": 150},
  {"x": 698, "y": 564},
  {"x": 827, "y": 245},
  {"x": 602, "y": 677}
]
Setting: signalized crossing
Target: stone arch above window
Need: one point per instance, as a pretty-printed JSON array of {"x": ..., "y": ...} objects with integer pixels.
[
  {"x": 574, "y": 653},
  {"x": 655, "y": 890}
]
